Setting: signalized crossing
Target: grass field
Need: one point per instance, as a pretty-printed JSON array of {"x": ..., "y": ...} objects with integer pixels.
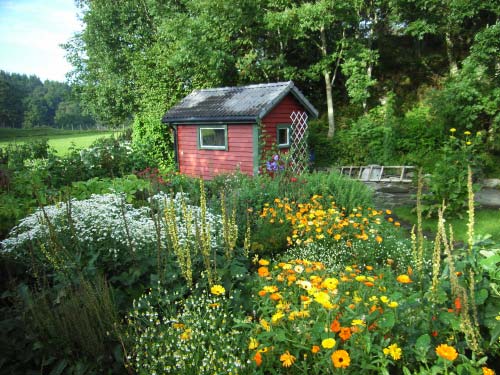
[
  {"x": 59, "y": 140},
  {"x": 486, "y": 222}
]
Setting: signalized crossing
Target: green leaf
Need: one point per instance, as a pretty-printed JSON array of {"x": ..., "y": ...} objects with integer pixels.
[
  {"x": 423, "y": 343},
  {"x": 481, "y": 296},
  {"x": 59, "y": 368},
  {"x": 387, "y": 321}
]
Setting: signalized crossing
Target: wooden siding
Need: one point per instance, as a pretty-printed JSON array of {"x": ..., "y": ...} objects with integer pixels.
[
  {"x": 279, "y": 115},
  {"x": 208, "y": 163}
]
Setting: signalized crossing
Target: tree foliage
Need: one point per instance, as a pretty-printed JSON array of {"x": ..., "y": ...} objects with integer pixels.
[
  {"x": 135, "y": 59},
  {"x": 27, "y": 102}
]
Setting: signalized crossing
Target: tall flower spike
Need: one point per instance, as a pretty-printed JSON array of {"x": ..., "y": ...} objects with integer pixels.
[{"x": 470, "y": 223}]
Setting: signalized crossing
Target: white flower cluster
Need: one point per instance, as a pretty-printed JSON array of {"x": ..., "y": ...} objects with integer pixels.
[
  {"x": 201, "y": 339},
  {"x": 336, "y": 256},
  {"x": 102, "y": 222}
]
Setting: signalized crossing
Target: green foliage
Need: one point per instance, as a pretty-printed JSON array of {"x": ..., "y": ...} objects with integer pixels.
[
  {"x": 81, "y": 322},
  {"x": 153, "y": 140},
  {"x": 370, "y": 139},
  {"x": 448, "y": 182}
]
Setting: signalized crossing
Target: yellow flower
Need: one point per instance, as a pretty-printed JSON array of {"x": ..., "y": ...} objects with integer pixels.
[
  {"x": 340, "y": 359},
  {"x": 357, "y": 322},
  {"x": 186, "y": 335},
  {"x": 277, "y": 317},
  {"x": 328, "y": 343},
  {"x": 467, "y": 132},
  {"x": 178, "y": 325},
  {"x": 487, "y": 371},
  {"x": 394, "y": 351},
  {"x": 287, "y": 359},
  {"x": 453, "y": 130},
  {"x": 254, "y": 344},
  {"x": 330, "y": 283},
  {"x": 393, "y": 304},
  {"x": 404, "y": 279},
  {"x": 446, "y": 352},
  {"x": 217, "y": 290},
  {"x": 264, "y": 262},
  {"x": 384, "y": 299},
  {"x": 265, "y": 325}
]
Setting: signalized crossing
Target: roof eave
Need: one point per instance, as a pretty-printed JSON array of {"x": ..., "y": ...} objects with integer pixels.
[
  {"x": 290, "y": 88},
  {"x": 198, "y": 120}
]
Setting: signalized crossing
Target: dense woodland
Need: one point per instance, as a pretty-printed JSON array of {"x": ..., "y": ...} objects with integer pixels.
[
  {"x": 27, "y": 102},
  {"x": 390, "y": 77}
]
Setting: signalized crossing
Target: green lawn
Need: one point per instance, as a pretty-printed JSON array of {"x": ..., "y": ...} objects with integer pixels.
[
  {"x": 60, "y": 140},
  {"x": 487, "y": 221}
]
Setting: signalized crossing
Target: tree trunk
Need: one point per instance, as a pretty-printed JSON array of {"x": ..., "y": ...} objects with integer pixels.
[
  {"x": 329, "y": 105},
  {"x": 328, "y": 88},
  {"x": 449, "y": 53}
]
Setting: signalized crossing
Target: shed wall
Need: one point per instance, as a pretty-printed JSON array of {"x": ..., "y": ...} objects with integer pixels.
[
  {"x": 278, "y": 115},
  {"x": 208, "y": 163}
]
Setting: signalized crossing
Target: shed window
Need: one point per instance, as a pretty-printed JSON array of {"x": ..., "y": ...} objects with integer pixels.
[
  {"x": 213, "y": 137},
  {"x": 283, "y": 135}
]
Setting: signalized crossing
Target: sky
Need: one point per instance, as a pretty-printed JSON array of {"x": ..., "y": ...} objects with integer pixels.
[{"x": 30, "y": 34}]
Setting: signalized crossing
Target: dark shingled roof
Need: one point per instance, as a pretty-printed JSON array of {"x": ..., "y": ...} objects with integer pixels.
[{"x": 245, "y": 103}]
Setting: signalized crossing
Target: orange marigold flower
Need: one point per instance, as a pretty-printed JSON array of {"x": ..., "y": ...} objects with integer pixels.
[
  {"x": 447, "y": 352},
  {"x": 404, "y": 279},
  {"x": 287, "y": 359},
  {"x": 258, "y": 359},
  {"x": 340, "y": 359},
  {"x": 275, "y": 296},
  {"x": 263, "y": 271},
  {"x": 315, "y": 349},
  {"x": 335, "y": 326},
  {"x": 487, "y": 371},
  {"x": 262, "y": 293},
  {"x": 369, "y": 268},
  {"x": 345, "y": 333},
  {"x": 378, "y": 239},
  {"x": 368, "y": 283}
]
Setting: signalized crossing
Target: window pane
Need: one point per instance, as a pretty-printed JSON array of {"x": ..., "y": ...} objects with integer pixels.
[
  {"x": 283, "y": 136},
  {"x": 213, "y": 137}
]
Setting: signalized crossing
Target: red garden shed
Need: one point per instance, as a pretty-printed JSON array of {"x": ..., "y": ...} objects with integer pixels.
[{"x": 219, "y": 130}]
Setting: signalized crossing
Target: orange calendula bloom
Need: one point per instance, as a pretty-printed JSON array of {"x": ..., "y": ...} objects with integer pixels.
[
  {"x": 345, "y": 333},
  {"x": 447, "y": 352},
  {"x": 258, "y": 359},
  {"x": 378, "y": 239},
  {"x": 315, "y": 349},
  {"x": 340, "y": 359},
  {"x": 262, "y": 293},
  {"x": 487, "y": 371},
  {"x": 404, "y": 279},
  {"x": 287, "y": 359},
  {"x": 263, "y": 271},
  {"x": 335, "y": 326}
]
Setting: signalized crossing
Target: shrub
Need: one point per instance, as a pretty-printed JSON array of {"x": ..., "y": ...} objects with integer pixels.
[{"x": 197, "y": 336}]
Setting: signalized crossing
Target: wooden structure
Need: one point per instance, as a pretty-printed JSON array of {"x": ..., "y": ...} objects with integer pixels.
[
  {"x": 379, "y": 173},
  {"x": 220, "y": 130}
]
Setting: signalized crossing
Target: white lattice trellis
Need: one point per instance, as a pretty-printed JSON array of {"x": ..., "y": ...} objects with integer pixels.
[{"x": 300, "y": 153}]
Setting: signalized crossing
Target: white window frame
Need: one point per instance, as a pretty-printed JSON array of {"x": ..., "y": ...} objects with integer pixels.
[{"x": 201, "y": 146}]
